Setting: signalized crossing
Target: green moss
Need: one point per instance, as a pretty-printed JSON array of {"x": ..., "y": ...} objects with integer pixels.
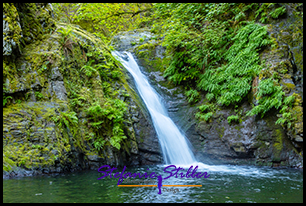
[
  {"x": 25, "y": 155},
  {"x": 147, "y": 52},
  {"x": 221, "y": 132},
  {"x": 238, "y": 127},
  {"x": 32, "y": 15},
  {"x": 278, "y": 145},
  {"x": 40, "y": 56},
  {"x": 133, "y": 95},
  {"x": 278, "y": 139},
  {"x": 12, "y": 16},
  {"x": 28, "y": 154},
  {"x": 8, "y": 164},
  {"x": 289, "y": 85}
]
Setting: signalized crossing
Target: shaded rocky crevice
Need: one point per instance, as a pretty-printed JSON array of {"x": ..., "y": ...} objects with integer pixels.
[
  {"x": 297, "y": 77},
  {"x": 152, "y": 152}
]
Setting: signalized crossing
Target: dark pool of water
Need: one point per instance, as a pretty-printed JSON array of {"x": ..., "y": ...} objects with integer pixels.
[{"x": 225, "y": 184}]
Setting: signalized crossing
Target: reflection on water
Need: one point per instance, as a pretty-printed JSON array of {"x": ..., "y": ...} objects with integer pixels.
[{"x": 229, "y": 184}]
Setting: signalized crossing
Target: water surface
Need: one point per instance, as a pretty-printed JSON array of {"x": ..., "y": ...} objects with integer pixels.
[{"x": 229, "y": 184}]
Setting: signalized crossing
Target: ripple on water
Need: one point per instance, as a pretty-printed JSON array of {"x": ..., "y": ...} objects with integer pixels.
[{"x": 232, "y": 184}]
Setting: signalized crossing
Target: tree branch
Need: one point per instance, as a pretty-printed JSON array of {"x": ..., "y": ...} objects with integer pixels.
[{"x": 130, "y": 12}]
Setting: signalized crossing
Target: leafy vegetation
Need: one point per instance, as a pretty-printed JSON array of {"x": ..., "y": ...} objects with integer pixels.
[
  {"x": 206, "y": 112},
  {"x": 232, "y": 118},
  {"x": 192, "y": 95},
  {"x": 210, "y": 47},
  {"x": 264, "y": 13},
  {"x": 111, "y": 113},
  {"x": 68, "y": 119},
  {"x": 39, "y": 96},
  {"x": 214, "y": 48},
  {"x": 103, "y": 19},
  {"x": 269, "y": 95},
  {"x": 5, "y": 99}
]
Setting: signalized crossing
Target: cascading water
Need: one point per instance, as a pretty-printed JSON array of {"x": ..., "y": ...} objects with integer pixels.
[{"x": 173, "y": 143}]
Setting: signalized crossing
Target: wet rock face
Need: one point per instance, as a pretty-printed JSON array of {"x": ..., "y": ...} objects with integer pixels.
[
  {"x": 148, "y": 145},
  {"x": 286, "y": 60},
  {"x": 253, "y": 141},
  {"x": 31, "y": 136},
  {"x": 128, "y": 40}
]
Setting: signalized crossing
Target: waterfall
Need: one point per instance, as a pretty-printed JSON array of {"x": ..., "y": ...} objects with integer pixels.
[{"x": 173, "y": 143}]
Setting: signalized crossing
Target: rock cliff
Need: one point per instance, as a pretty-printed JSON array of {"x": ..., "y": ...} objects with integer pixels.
[{"x": 67, "y": 103}]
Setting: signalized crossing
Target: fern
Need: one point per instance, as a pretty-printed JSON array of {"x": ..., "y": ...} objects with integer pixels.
[
  {"x": 109, "y": 116},
  {"x": 231, "y": 82},
  {"x": 39, "y": 96},
  {"x": 280, "y": 121},
  {"x": 69, "y": 119},
  {"x": 279, "y": 11},
  {"x": 97, "y": 125},
  {"x": 88, "y": 69},
  {"x": 289, "y": 100},
  {"x": 5, "y": 99},
  {"x": 232, "y": 118},
  {"x": 209, "y": 96},
  {"x": 118, "y": 136},
  {"x": 205, "y": 117},
  {"x": 269, "y": 95},
  {"x": 99, "y": 143},
  {"x": 78, "y": 102},
  {"x": 95, "y": 111},
  {"x": 204, "y": 108},
  {"x": 215, "y": 50},
  {"x": 192, "y": 95}
]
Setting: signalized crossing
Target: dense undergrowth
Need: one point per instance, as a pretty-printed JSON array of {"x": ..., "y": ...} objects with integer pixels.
[
  {"x": 105, "y": 112},
  {"x": 213, "y": 49}
]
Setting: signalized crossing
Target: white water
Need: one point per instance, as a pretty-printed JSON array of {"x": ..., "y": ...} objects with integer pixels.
[{"x": 173, "y": 143}]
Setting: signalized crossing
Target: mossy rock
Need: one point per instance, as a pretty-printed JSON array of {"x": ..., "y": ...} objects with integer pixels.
[{"x": 11, "y": 28}]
